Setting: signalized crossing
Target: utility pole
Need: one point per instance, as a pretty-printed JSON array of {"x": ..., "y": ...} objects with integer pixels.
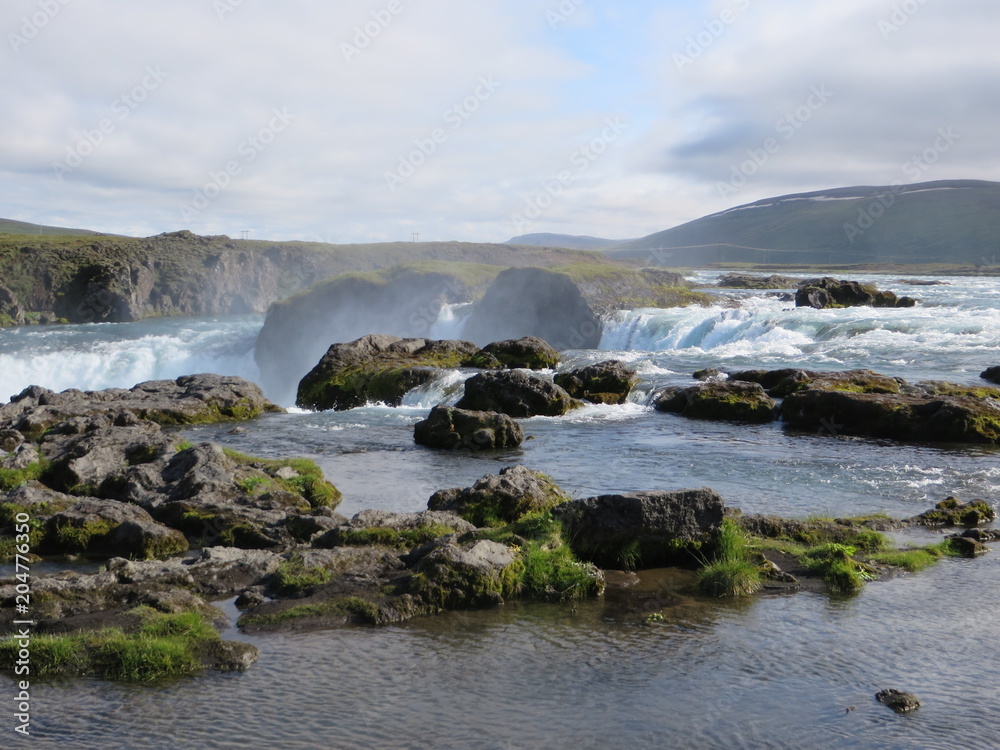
[
  {"x": 246, "y": 234},
  {"x": 416, "y": 236}
]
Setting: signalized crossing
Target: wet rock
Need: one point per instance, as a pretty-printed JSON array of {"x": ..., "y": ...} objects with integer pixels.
[
  {"x": 991, "y": 374},
  {"x": 748, "y": 281},
  {"x": 529, "y": 352},
  {"x": 963, "y": 546},
  {"x": 188, "y": 400},
  {"x": 722, "y": 400},
  {"x": 607, "y": 382},
  {"x": 642, "y": 529},
  {"x": 710, "y": 373},
  {"x": 107, "y": 528},
  {"x": 830, "y": 292},
  {"x": 451, "y": 428},
  {"x": 377, "y": 368},
  {"x": 501, "y": 498},
  {"x": 780, "y": 383},
  {"x": 953, "y": 512},
  {"x": 898, "y": 700},
  {"x": 516, "y": 394},
  {"x": 955, "y": 419}
]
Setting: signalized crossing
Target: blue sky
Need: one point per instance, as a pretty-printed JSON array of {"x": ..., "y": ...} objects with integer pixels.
[{"x": 372, "y": 120}]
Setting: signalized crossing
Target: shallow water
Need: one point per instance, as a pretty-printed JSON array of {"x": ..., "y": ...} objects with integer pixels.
[{"x": 771, "y": 672}]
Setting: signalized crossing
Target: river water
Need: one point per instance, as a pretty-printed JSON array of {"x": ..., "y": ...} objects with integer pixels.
[{"x": 796, "y": 671}]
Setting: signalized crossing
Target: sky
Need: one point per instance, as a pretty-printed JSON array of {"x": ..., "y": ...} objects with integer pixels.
[{"x": 481, "y": 120}]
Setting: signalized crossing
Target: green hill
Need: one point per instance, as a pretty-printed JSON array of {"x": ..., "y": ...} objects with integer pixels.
[
  {"x": 9, "y": 226},
  {"x": 944, "y": 222}
]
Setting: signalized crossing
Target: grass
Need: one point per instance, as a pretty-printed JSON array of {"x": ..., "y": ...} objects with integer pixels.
[
  {"x": 11, "y": 479},
  {"x": 355, "y": 606},
  {"x": 160, "y": 646},
  {"x": 732, "y": 572},
  {"x": 836, "y": 565}
]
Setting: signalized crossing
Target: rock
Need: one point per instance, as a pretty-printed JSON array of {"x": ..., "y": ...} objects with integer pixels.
[
  {"x": 501, "y": 498},
  {"x": 107, "y": 528},
  {"x": 830, "y": 292},
  {"x": 11, "y": 312},
  {"x": 710, "y": 373},
  {"x": 955, "y": 419},
  {"x": 10, "y": 440},
  {"x": 529, "y": 352},
  {"x": 748, "y": 281},
  {"x": 952, "y": 512},
  {"x": 967, "y": 547},
  {"x": 722, "y": 400},
  {"x": 250, "y": 598},
  {"x": 642, "y": 529},
  {"x": 190, "y": 399},
  {"x": 534, "y": 302},
  {"x": 898, "y": 701},
  {"x": 991, "y": 374},
  {"x": 396, "y": 530},
  {"x": 22, "y": 457},
  {"x": 453, "y": 576},
  {"x": 377, "y": 368},
  {"x": 780, "y": 383},
  {"x": 452, "y": 428},
  {"x": 517, "y": 394},
  {"x": 608, "y": 382}
]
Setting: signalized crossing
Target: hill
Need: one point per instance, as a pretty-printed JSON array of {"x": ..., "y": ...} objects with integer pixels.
[
  {"x": 10, "y": 226},
  {"x": 572, "y": 241},
  {"x": 949, "y": 221}
]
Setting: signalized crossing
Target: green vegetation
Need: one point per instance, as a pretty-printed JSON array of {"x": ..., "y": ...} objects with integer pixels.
[
  {"x": 294, "y": 577},
  {"x": 11, "y": 479},
  {"x": 835, "y": 563},
  {"x": 156, "y": 646},
  {"x": 733, "y": 571},
  {"x": 350, "y": 606},
  {"x": 394, "y": 538},
  {"x": 72, "y": 539},
  {"x": 952, "y": 512},
  {"x": 250, "y": 485},
  {"x": 309, "y": 482}
]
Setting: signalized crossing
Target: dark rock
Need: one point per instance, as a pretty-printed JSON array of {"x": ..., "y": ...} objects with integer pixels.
[
  {"x": 501, "y": 498},
  {"x": 188, "y": 400},
  {"x": 517, "y": 394},
  {"x": 452, "y": 428},
  {"x": 535, "y": 302},
  {"x": 710, "y": 373},
  {"x": 454, "y": 576},
  {"x": 830, "y": 292},
  {"x": 250, "y": 598},
  {"x": 723, "y": 400},
  {"x": 780, "y": 383},
  {"x": 955, "y": 419},
  {"x": 643, "y": 529},
  {"x": 529, "y": 352},
  {"x": 607, "y": 382},
  {"x": 991, "y": 374},
  {"x": 966, "y": 547},
  {"x": 107, "y": 528},
  {"x": 953, "y": 512},
  {"x": 11, "y": 312},
  {"x": 377, "y": 368},
  {"x": 898, "y": 701},
  {"x": 747, "y": 281}
]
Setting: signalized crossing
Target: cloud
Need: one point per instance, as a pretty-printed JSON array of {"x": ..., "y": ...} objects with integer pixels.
[{"x": 168, "y": 120}]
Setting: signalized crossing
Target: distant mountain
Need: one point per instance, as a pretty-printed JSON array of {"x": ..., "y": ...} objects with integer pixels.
[
  {"x": 949, "y": 221},
  {"x": 573, "y": 242},
  {"x": 9, "y": 226}
]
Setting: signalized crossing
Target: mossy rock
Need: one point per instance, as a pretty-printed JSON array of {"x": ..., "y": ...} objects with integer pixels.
[
  {"x": 953, "y": 512},
  {"x": 728, "y": 401},
  {"x": 608, "y": 382},
  {"x": 502, "y": 498},
  {"x": 529, "y": 352}
]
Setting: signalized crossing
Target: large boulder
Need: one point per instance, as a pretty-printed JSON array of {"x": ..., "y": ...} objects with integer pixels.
[
  {"x": 779, "y": 383},
  {"x": 529, "y": 352},
  {"x": 377, "y": 368},
  {"x": 464, "y": 576},
  {"x": 830, "y": 292},
  {"x": 955, "y": 419},
  {"x": 517, "y": 394},
  {"x": 190, "y": 399},
  {"x": 719, "y": 400},
  {"x": 11, "y": 312},
  {"x": 608, "y": 382},
  {"x": 534, "y": 302},
  {"x": 452, "y": 428},
  {"x": 643, "y": 529},
  {"x": 501, "y": 498}
]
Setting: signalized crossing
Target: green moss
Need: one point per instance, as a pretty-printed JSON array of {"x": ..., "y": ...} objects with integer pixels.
[
  {"x": 309, "y": 483},
  {"x": 350, "y": 606},
  {"x": 293, "y": 577},
  {"x": 11, "y": 479},
  {"x": 71, "y": 539},
  {"x": 952, "y": 512},
  {"x": 911, "y": 560},
  {"x": 733, "y": 571},
  {"x": 394, "y": 538}
]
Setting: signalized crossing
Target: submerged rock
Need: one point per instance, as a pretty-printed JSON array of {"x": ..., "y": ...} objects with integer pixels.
[
  {"x": 377, "y": 368},
  {"x": 452, "y": 428},
  {"x": 830, "y": 292},
  {"x": 722, "y": 400},
  {"x": 898, "y": 700},
  {"x": 642, "y": 529},
  {"x": 517, "y": 394},
  {"x": 608, "y": 382}
]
